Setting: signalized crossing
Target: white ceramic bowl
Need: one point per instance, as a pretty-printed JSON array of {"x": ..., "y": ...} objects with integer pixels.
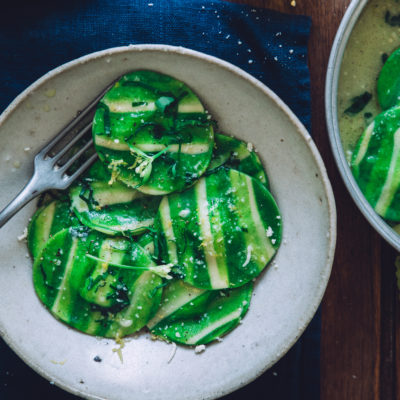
[
  {"x": 286, "y": 295},
  {"x": 331, "y": 94}
]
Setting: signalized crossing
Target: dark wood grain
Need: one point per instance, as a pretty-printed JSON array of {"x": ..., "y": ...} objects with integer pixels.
[{"x": 360, "y": 341}]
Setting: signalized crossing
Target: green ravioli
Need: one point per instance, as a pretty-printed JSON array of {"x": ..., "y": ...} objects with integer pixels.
[
  {"x": 111, "y": 207},
  {"x": 75, "y": 278},
  {"x": 47, "y": 221},
  {"x": 388, "y": 85},
  {"x": 376, "y": 164},
  {"x": 235, "y": 154},
  {"x": 153, "y": 133},
  {"x": 147, "y": 242},
  {"x": 192, "y": 316},
  {"x": 221, "y": 232}
]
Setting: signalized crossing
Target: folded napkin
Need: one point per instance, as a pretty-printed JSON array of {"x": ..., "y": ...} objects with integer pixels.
[{"x": 38, "y": 36}]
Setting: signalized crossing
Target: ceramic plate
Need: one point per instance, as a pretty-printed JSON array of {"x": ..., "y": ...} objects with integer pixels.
[{"x": 286, "y": 295}]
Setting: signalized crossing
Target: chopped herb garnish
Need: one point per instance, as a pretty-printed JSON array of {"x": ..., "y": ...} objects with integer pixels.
[
  {"x": 392, "y": 20},
  {"x": 177, "y": 272},
  {"x": 200, "y": 121},
  {"x": 106, "y": 117},
  {"x": 43, "y": 273},
  {"x": 143, "y": 162},
  {"x": 160, "y": 270},
  {"x": 154, "y": 291},
  {"x": 90, "y": 283},
  {"x": 176, "y": 167},
  {"x": 163, "y": 102},
  {"x": 45, "y": 281},
  {"x": 158, "y": 130},
  {"x": 190, "y": 177},
  {"x": 167, "y": 103},
  {"x": 120, "y": 294},
  {"x": 86, "y": 194},
  {"x": 139, "y": 103},
  {"x": 104, "y": 322},
  {"x": 99, "y": 281},
  {"x": 358, "y": 103}
]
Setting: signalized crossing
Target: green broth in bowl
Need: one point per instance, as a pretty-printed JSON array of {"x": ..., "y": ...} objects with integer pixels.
[{"x": 362, "y": 114}]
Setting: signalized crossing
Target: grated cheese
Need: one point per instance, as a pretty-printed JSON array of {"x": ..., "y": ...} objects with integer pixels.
[
  {"x": 199, "y": 349},
  {"x": 24, "y": 235},
  {"x": 173, "y": 352}
]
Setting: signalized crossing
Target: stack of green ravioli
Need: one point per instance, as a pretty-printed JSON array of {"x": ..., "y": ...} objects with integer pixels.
[{"x": 168, "y": 229}]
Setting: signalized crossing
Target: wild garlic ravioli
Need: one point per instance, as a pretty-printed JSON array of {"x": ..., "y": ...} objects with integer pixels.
[
  {"x": 221, "y": 232},
  {"x": 75, "y": 278},
  {"x": 46, "y": 222},
  {"x": 110, "y": 206},
  {"x": 376, "y": 164},
  {"x": 167, "y": 230},
  {"x": 192, "y": 316},
  {"x": 233, "y": 153},
  {"x": 153, "y": 133}
]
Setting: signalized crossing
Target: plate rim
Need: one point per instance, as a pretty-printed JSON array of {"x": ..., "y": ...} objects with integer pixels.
[{"x": 301, "y": 131}]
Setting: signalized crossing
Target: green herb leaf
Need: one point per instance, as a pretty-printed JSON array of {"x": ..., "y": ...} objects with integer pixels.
[
  {"x": 358, "y": 103},
  {"x": 392, "y": 20},
  {"x": 160, "y": 270},
  {"x": 143, "y": 167},
  {"x": 120, "y": 294},
  {"x": 139, "y": 103},
  {"x": 154, "y": 291},
  {"x": 163, "y": 102},
  {"x": 86, "y": 194},
  {"x": 106, "y": 117}
]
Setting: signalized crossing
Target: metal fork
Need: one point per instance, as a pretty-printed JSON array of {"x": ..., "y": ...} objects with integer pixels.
[{"x": 48, "y": 174}]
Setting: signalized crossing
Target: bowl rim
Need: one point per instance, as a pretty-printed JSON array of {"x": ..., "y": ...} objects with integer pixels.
[
  {"x": 301, "y": 130},
  {"x": 331, "y": 90}
]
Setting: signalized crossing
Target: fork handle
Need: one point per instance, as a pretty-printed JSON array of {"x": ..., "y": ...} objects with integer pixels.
[{"x": 29, "y": 192}]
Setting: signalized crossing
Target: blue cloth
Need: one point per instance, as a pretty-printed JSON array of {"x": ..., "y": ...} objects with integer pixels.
[{"x": 38, "y": 36}]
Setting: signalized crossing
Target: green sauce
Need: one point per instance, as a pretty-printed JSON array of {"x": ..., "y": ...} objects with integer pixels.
[{"x": 375, "y": 36}]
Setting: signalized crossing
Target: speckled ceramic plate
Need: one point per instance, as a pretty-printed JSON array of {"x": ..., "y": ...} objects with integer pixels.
[{"x": 286, "y": 295}]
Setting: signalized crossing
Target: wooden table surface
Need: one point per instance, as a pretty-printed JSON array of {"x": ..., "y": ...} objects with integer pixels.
[{"x": 361, "y": 310}]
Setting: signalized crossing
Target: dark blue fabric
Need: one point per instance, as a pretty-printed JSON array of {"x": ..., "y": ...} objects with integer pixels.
[{"x": 38, "y": 36}]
